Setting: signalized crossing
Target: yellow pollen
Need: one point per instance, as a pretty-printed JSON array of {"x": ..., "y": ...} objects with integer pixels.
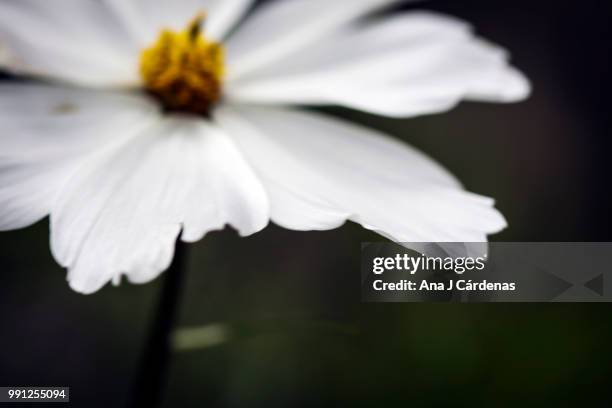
[{"x": 184, "y": 70}]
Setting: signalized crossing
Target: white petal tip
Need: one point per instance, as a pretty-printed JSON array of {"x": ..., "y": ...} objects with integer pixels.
[
  {"x": 507, "y": 86},
  {"x": 517, "y": 87},
  {"x": 501, "y": 225},
  {"x": 245, "y": 232},
  {"x": 496, "y": 222},
  {"x": 84, "y": 288}
]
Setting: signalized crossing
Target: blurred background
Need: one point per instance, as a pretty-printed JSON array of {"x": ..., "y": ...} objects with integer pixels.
[{"x": 281, "y": 311}]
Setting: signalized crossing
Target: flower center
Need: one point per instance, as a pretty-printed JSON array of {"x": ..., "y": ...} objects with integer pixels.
[{"x": 184, "y": 70}]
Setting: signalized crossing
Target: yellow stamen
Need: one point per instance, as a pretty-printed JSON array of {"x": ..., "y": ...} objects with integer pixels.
[{"x": 184, "y": 70}]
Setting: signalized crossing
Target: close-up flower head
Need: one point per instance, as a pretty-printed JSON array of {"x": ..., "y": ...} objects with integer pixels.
[{"x": 143, "y": 121}]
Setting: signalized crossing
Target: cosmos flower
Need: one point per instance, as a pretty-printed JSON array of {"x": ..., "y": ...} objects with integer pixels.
[{"x": 152, "y": 121}]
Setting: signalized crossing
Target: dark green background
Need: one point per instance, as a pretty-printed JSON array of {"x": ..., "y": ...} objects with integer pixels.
[{"x": 301, "y": 336}]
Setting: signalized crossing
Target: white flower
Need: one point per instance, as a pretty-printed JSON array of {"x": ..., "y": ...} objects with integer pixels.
[{"x": 121, "y": 178}]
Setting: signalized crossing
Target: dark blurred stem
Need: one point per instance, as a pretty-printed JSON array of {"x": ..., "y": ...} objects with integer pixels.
[{"x": 154, "y": 362}]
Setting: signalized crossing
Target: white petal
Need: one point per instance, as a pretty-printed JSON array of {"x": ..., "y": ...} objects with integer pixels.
[
  {"x": 122, "y": 212},
  {"x": 148, "y": 17},
  {"x": 79, "y": 41},
  {"x": 224, "y": 15},
  {"x": 402, "y": 66},
  {"x": 282, "y": 26},
  {"x": 319, "y": 172},
  {"x": 45, "y": 132}
]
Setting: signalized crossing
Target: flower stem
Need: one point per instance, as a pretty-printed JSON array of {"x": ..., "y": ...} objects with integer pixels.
[{"x": 154, "y": 364}]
